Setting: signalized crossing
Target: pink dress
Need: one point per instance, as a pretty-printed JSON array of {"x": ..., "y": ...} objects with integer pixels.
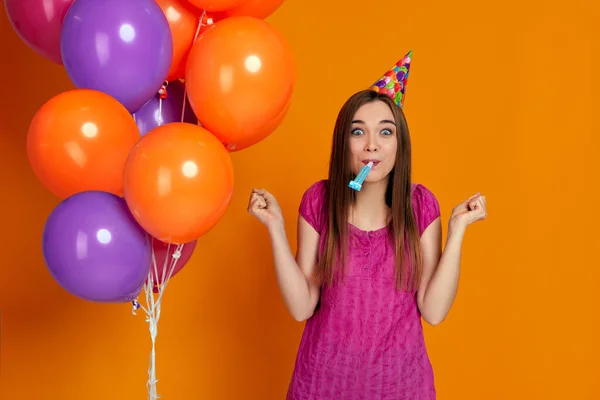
[{"x": 365, "y": 339}]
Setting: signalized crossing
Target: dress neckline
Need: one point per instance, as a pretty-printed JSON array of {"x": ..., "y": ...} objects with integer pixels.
[{"x": 375, "y": 232}]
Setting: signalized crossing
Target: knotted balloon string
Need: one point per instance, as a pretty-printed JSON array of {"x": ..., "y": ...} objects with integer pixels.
[
  {"x": 162, "y": 94},
  {"x": 204, "y": 20},
  {"x": 153, "y": 309}
]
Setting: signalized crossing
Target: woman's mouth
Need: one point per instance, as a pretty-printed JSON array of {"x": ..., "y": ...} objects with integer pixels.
[{"x": 375, "y": 162}]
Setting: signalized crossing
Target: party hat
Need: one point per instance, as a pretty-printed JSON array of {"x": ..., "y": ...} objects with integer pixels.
[{"x": 393, "y": 83}]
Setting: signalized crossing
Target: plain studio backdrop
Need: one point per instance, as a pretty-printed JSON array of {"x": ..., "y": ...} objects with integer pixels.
[{"x": 502, "y": 98}]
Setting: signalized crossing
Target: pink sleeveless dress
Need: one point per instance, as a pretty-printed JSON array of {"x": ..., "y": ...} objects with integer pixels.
[{"x": 365, "y": 339}]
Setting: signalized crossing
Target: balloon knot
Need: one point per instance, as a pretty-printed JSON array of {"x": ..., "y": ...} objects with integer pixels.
[
  {"x": 134, "y": 306},
  {"x": 162, "y": 92},
  {"x": 205, "y": 19}
]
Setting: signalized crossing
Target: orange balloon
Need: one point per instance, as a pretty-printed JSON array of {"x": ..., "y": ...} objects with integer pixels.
[
  {"x": 269, "y": 127},
  {"x": 183, "y": 22},
  {"x": 215, "y": 5},
  {"x": 178, "y": 182},
  {"x": 252, "y": 8},
  {"x": 240, "y": 76},
  {"x": 79, "y": 140}
]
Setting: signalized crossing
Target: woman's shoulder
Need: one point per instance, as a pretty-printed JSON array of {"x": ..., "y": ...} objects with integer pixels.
[
  {"x": 316, "y": 191},
  {"x": 312, "y": 206},
  {"x": 425, "y": 206},
  {"x": 421, "y": 192}
]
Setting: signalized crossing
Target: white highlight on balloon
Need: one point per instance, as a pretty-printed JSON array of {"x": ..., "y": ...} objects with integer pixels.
[
  {"x": 103, "y": 236},
  {"x": 189, "y": 169},
  {"x": 89, "y": 129},
  {"x": 253, "y": 64},
  {"x": 127, "y": 33}
]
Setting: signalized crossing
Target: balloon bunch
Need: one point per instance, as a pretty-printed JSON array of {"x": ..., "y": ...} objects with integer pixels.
[{"x": 140, "y": 151}]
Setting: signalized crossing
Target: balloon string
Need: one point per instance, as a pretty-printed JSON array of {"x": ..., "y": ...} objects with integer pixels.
[
  {"x": 160, "y": 115},
  {"x": 153, "y": 309},
  {"x": 201, "y": 23},
  {"x": 153, "y": 328},
  {"x": 162, "y": 94}
]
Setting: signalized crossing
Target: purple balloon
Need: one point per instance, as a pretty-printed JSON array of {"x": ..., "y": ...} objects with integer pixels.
[
  {"x": 152, "y": 114},
  {"x": 120, "y": 47},
  {"x": 95, "y": 249}
]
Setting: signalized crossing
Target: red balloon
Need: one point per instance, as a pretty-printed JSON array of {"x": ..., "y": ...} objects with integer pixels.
[
  {"x": 38, "y": 24},
  {"x": 163, "y": 255}
]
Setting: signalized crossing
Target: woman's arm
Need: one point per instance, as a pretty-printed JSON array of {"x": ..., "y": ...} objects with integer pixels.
[
  {"x": 441, "y": 271},
  {"x": 294, "y": 275}
]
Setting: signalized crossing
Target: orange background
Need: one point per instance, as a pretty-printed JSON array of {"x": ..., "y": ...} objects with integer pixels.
[{"x": 501, "y": 99}]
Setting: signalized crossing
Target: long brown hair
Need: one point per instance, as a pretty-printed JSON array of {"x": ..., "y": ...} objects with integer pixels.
[{"x": 403, "y": 232}]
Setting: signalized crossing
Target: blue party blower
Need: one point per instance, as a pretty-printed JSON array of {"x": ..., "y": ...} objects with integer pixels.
[{"x": 356, "y": 184}]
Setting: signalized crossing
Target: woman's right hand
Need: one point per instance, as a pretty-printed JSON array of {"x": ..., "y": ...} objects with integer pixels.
[{"x": 264, "y": 206}]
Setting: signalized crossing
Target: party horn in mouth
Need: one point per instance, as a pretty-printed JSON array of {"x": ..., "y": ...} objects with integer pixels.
[{"x": 356, "y": 184}]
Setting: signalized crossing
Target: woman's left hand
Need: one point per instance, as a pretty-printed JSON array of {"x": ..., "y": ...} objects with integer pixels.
[{"x": 468, "y": 212}]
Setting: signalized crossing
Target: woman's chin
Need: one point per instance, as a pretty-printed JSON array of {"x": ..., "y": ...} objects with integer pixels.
[{"x": 375, "y": 179}]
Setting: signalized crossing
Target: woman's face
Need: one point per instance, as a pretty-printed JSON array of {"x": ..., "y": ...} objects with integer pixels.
[{"x": 373, "y": 138}]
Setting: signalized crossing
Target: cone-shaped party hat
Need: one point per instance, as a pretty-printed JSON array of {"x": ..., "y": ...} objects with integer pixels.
[{"x": 393, "y": 83}]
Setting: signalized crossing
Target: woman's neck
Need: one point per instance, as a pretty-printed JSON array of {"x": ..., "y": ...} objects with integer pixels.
[{"x": 370, "y": 211}]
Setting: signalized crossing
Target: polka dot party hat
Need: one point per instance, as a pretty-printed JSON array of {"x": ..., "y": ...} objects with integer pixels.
[{"x": 393, "y": 82}]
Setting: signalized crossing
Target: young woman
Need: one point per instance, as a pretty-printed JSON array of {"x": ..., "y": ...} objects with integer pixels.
[{"x": 369, "y": 264}]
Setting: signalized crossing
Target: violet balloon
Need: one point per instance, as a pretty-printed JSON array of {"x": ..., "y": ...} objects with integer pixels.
[
  {"x": 120, "y": 47},
  {"x": 95, "y": 249},
  {"x": 153, "y": 114},
  {"x": 38, "y": 24}
]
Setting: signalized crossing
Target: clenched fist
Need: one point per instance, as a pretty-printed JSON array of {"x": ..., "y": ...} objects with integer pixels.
[
  {"x": 264, "y": 206},
  {"x": 471, "y": 210}
]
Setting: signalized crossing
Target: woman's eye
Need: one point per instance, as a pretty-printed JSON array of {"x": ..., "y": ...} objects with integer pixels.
[
  {"x": 386, "y": 132},
  {"x": 357, "y": 132}
]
